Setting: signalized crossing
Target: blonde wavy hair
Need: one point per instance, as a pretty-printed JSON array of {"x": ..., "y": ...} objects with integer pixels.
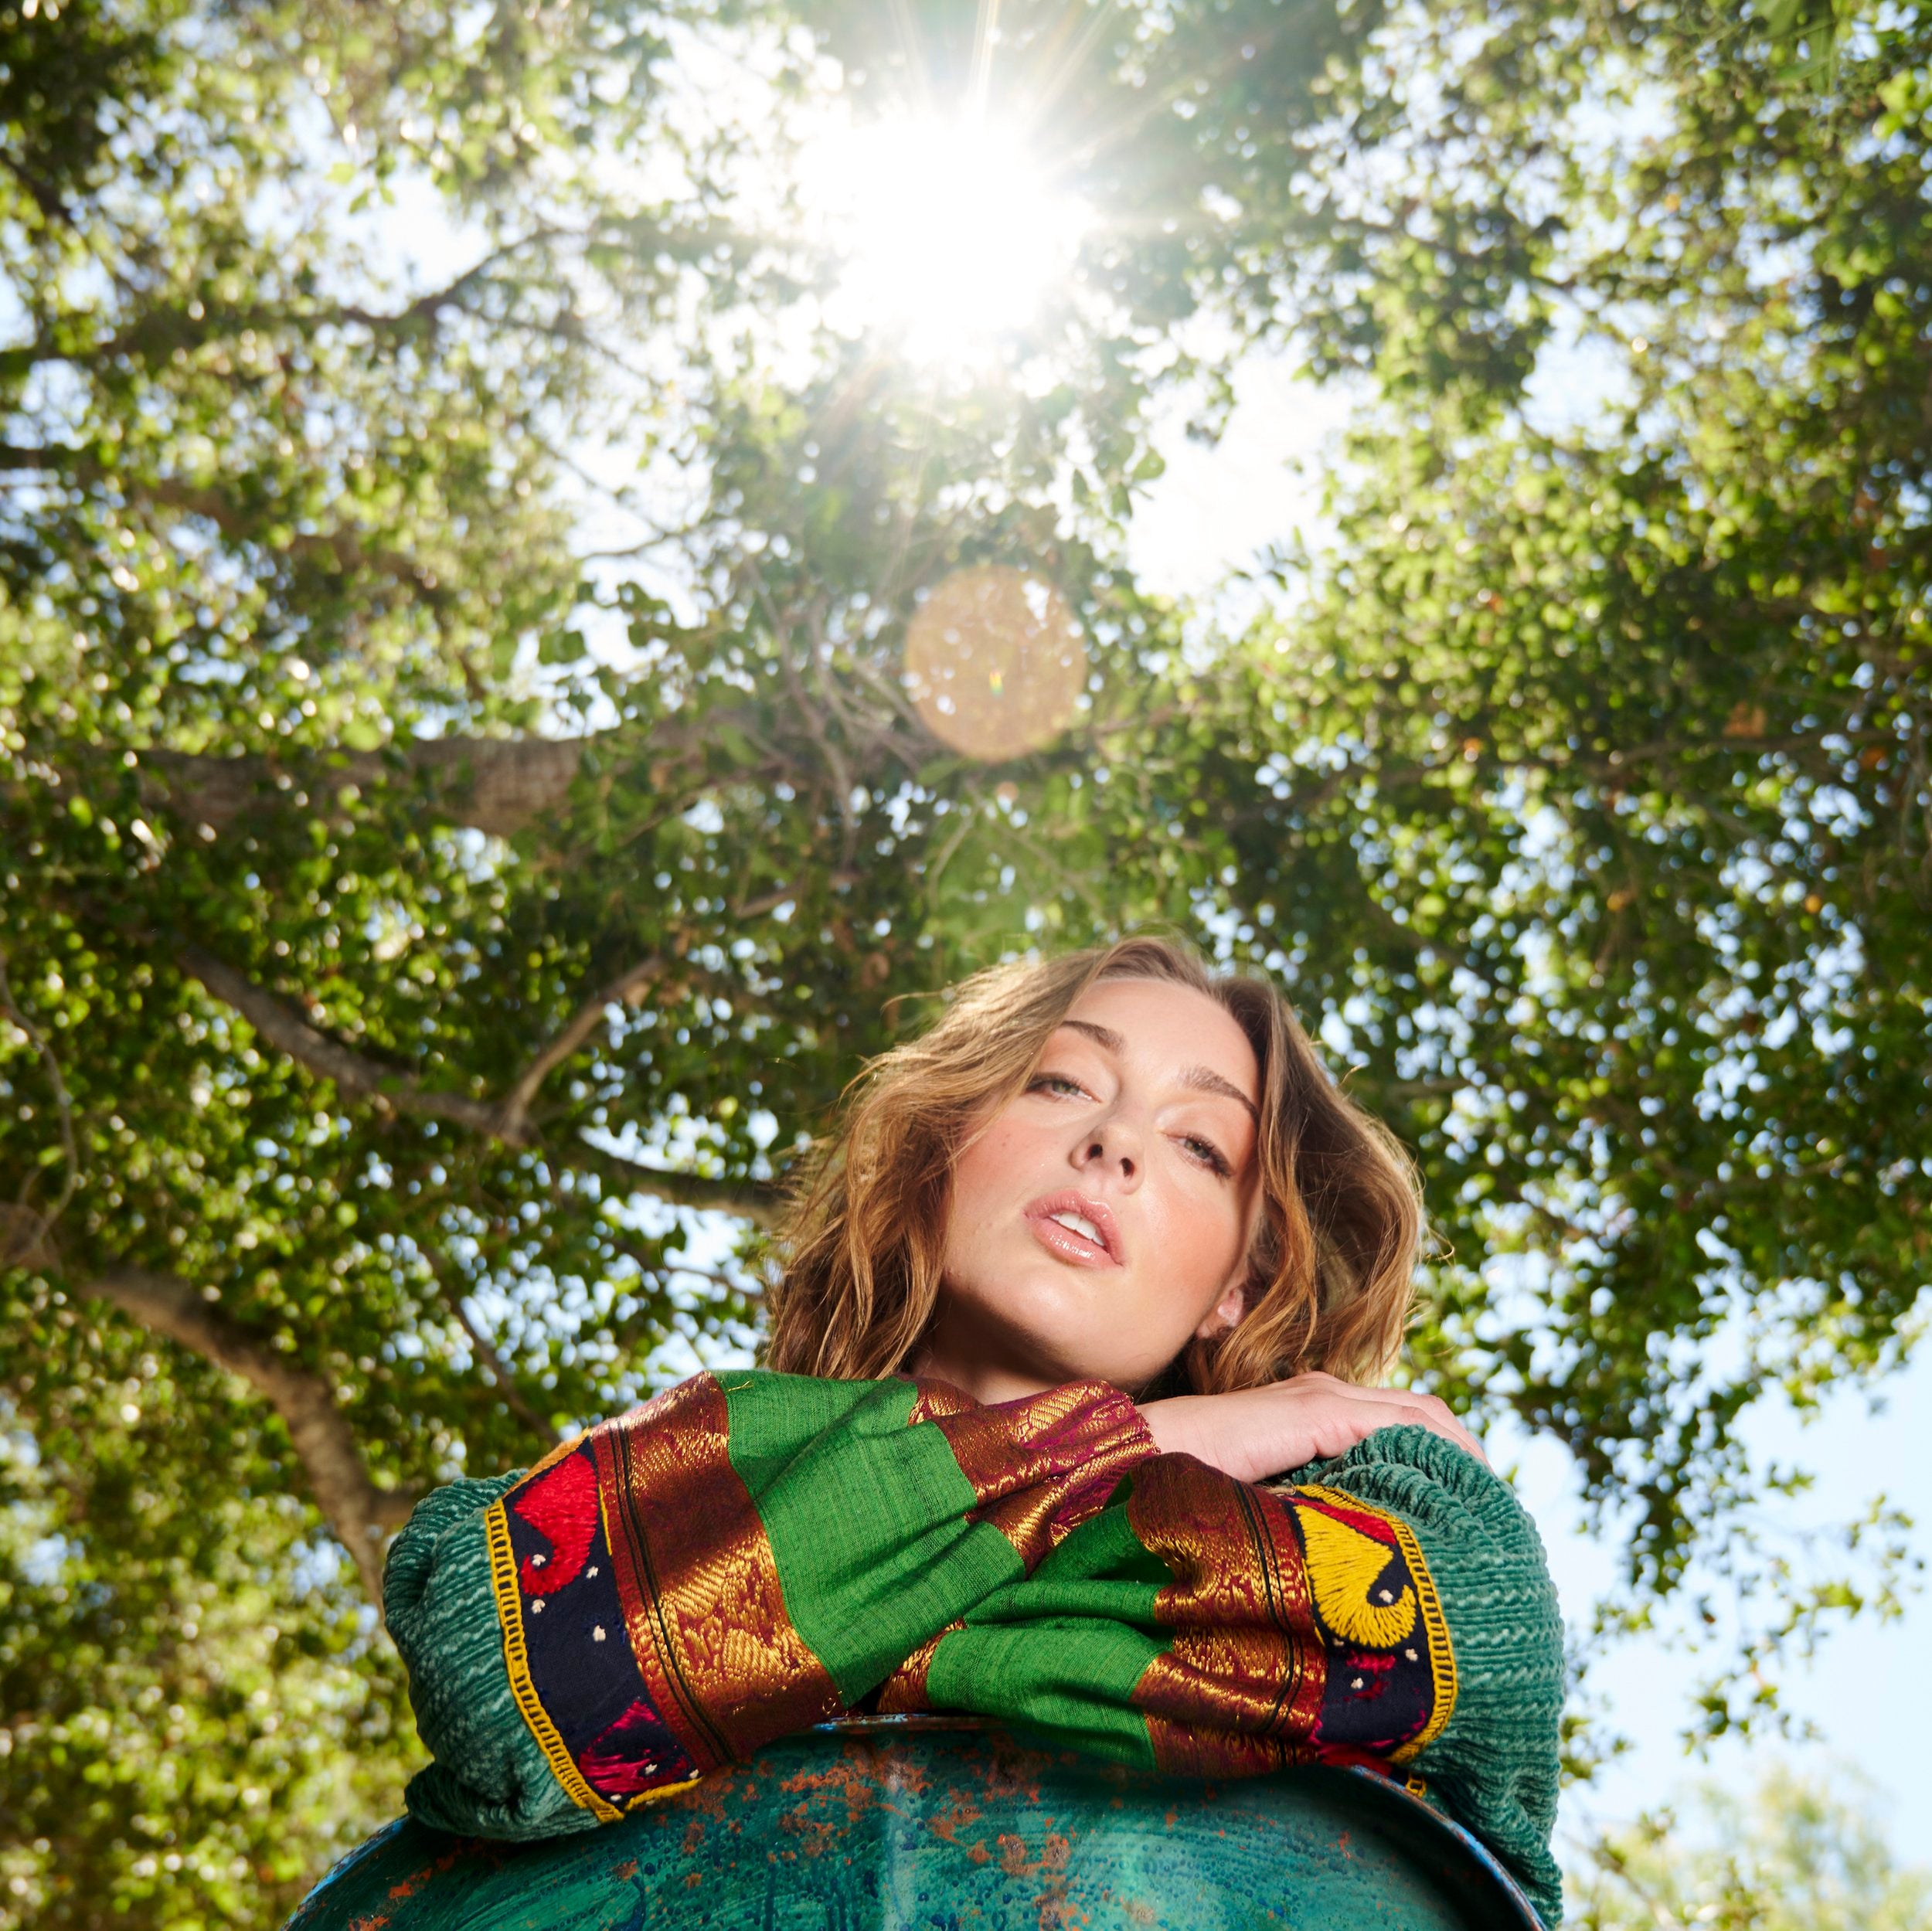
[{"x": 1331, "y": 1270}]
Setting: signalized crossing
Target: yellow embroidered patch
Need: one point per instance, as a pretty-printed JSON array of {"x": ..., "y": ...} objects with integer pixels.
[{"x": 1343, "y": 1565}]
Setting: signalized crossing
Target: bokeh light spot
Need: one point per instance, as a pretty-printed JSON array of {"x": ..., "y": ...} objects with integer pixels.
[{"x": 995, "y": 662}]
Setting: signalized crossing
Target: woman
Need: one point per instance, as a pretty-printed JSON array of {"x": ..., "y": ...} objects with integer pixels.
[{"x": 1090, "y": 1264}]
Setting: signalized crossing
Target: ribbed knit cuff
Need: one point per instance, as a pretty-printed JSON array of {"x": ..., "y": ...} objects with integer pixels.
[
  {"x": 1495, "y": 1766},
  {"x": 489, "y": 1776}
]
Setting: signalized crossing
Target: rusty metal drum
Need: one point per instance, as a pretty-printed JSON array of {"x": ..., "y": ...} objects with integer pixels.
[{"x": 933, "y": 1828}]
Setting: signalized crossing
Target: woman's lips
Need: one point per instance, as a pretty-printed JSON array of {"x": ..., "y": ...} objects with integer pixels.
[{"x": 1069, "y": 1243}]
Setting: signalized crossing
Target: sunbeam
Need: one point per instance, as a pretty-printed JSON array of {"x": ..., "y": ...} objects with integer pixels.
[{"x": 952, "y": 234}]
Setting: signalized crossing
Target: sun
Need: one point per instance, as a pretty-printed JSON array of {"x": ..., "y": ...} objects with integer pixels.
[{"x": 952, "y": 234}]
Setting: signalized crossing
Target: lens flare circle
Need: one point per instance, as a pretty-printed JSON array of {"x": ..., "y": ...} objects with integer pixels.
[{"x": 995, "y": 662}]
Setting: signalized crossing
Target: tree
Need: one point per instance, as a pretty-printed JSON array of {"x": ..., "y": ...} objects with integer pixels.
[
  {"x": 404, "y": 999},
  {"x": 1630, "y": 716},
  {"x": 1799, "y": 1857}
]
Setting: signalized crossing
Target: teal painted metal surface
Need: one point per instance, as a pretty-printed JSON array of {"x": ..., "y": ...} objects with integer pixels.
[{"x": 930, "y": 1829}]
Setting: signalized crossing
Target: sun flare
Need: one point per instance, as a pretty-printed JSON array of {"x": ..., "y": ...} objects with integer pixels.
[{"x": 952, "y": 234}]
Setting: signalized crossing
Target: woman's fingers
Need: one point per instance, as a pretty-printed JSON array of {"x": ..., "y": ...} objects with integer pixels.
[
  {"x": 1260, "y": 1431},
  {"x": 1358, "y": 1412},
  {"x": 1396, "y": 1406},
  {"x": 1443, "y": 1423}
]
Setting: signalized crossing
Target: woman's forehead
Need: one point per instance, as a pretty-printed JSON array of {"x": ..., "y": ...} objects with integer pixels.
[{"x": 1168, "y": 1031}]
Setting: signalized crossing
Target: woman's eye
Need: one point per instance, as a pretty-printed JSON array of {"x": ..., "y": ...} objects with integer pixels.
[
  {"x": 1056, "y": 1082},
  {"x": 1210, "y": 1155}
]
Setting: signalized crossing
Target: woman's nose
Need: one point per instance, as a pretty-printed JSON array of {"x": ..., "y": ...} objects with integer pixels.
[{"x": 1114, "y": 1147}]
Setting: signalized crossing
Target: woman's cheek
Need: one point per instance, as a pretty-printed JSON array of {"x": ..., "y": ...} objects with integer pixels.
[
  {"x": 1204, "y": 1231},
  {"x": 1000, "y": 1160}
]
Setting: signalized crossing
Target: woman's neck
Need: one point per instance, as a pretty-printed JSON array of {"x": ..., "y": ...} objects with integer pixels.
[{"x": 970, "y": 1369}]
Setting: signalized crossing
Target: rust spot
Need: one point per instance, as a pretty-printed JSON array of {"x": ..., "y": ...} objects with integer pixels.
[
  {"x": 374, "y": 1922},
  {"x": 853, "y": 1777},
  {"x": 1168, "y": 1820},
  {"x": 693, "y": 1835},
  {"x": 706, "y": 1798},
  {"x": 979, "y": 1853},
  {"x": 627, "y": 1869},
  {"x": 949, "y": 1823},
  {"x": 1057, "y": 1911},
  {"x": 692, "y": 1879},
  {"x": 409, "y": 1886},
  {"x": 812, "y": 1835}
]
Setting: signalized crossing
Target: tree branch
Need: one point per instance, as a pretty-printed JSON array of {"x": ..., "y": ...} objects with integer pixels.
[
  {"x": 501, "y": 785},
  {"x": 485, "y": 1351},
  {"x": 31, "y": 1228},
  {"x": 339, "y": 550},
  {"x": 651, "y": 1268},
  {"x": 621, "y": 990},
  {"x": 497, "y": 785},
  {"x": 156, "y": 335},
  {"x": 25, "y": 457},
  {"x": 358, "y": 1514},
  {"x": 44, "y": 197},
  {"x": 755, "y": 1200},
  {"x": 493, "y": 785},
  {"x": 398, "y": 1092},
  {"x": 364, "y": 1078}
]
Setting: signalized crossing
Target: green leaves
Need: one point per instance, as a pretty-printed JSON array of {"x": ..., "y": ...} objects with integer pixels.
[
  {"x": 1796, "y": 1856},
  {"x": 451, "y": 884}
]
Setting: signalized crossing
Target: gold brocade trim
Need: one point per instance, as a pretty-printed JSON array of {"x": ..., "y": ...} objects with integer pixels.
[
  {"x": 1238, "y": 1688},
  {"x": 552, "y": 1457},
  {"x": 697, "y": 1580},
  {"x": 641, "y": 1797},
  {"x": 903, "y": 1693},
  {"x": 516, "y": 1658},
  {"x": 1442, "y": 1655},
  {"x": 1041, "y": 1466},
  {"x": 935, "y": 1399}
]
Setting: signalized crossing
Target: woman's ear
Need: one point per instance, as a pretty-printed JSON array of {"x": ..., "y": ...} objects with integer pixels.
[{"x": 1225, "y": 1314}]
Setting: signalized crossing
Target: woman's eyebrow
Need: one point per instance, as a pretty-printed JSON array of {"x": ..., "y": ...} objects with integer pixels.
[
  {"x": 1105, "y": 1035},
  {"x": 1205, "y": 1079},
  {"x": 1202, "y": 1078}
]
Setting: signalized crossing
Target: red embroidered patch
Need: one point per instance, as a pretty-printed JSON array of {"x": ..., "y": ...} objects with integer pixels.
[
  {"x": 635, "y": 1753},
  {"x": 561, "y": 1506}
]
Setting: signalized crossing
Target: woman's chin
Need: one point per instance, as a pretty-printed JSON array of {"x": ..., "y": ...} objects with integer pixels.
[
  {"x": 1057, "y": 1353},
  {"x": 1052, "y": 1323}
]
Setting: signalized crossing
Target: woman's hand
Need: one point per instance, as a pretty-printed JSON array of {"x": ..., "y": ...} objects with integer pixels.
[{"x": 1260, "y": 1432}]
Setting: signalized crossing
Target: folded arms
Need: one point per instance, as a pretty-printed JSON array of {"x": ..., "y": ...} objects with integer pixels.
[{"x": 751, "y": 1554}]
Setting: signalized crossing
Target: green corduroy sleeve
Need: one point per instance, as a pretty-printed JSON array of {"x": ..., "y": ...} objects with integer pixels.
[{"x": 1495, "y": 1767}]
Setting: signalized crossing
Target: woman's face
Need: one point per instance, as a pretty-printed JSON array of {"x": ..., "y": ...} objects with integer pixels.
[{"x": 1102, "y": 1219}]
